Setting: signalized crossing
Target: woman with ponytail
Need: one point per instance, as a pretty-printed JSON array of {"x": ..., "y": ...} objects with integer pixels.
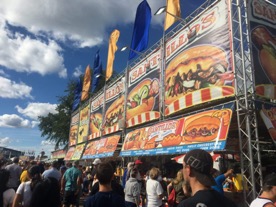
[
  {"x": 6, "y": 194},
  {"x": 24, "y": 191}
]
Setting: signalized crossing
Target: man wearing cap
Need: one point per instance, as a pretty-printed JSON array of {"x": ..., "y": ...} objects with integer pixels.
[
  {"x": 95, "y": 164},
  {"x": 70, "y": 185},
  {"x": 197, "y": 168},
  {"x": 15, "y": 172},
  {"x": 268, "y": 194}
]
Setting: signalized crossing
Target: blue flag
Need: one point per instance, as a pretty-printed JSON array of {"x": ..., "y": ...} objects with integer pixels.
[
  {"x": 98, "y": 70},
  {"x": 77, "y": 95},
  {"x": 140, "y": 36}
]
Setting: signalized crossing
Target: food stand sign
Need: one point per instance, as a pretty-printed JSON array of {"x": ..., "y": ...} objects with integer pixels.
[
  {"x": 114, "y": 104},
  {"x": 103, "y": 147},
  {"x": 84, "y": 122},
  {"x": 78, "y": 152},
  {"x": 74, "y": 126},
  {"x": 207, "y": 130},
  {"x": 268, "y": 113},
  {"x": 143, "y": 90},
  {"x": 96, "y": 118},
  {"x": 262, "y": 22},
  {"x": 199, "y": 61},
  {"x": 69, "y": 153}
]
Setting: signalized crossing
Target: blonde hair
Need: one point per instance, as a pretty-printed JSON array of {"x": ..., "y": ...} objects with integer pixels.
[
  {"x": 154, "y": 173},
  {"x": 179, "y": 177}
]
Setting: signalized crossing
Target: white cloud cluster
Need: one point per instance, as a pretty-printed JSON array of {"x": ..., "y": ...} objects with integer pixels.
[
  {"x": 5, "y": 141},
  {"x": 34, "y": 110},
  {"x": 11, "y": 89},
  {"x": 77, "y": 72},
  {"x": 13, "y": 121}
]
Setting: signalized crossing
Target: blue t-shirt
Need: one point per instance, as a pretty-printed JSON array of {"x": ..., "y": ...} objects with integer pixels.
[
  {"x": 101, "y": 199},
  {"x": 219, "y": 180}
]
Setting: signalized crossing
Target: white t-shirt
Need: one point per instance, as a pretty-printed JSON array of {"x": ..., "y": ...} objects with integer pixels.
[
  {"x": 8, "y": 196},
  {"x": 153, "y": 189},
  {"x": 25, "y": 190},
  {"x": 259, "y": 202}
]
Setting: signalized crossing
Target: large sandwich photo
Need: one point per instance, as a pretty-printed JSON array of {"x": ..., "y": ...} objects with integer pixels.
[
  {"x": 115, "y": 112},
  {"x": 95, "y": 122},
  {"x": 199, "y": 67},
  {"x": 141, "y": 99},
  {"x": 202, "y": 129}
]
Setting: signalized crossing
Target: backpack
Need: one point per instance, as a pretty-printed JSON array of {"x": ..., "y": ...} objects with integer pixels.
[{"x": 171, "y": 197}]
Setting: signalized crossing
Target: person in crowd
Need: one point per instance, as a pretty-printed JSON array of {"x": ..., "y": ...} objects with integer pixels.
[
  {"x": 24, "y": 175},
  {"x": 130, "y": 165},
  {"x": 41, "y": 167},
  {"x": 220, "y": 180},
  {"x": 197, "y": 167},
  {"x": 116, "y": 187},
  {"x": 46, "y": 193},
  {"x": 177, "y": 185},
  {"x": 71, "y": 184},
  {"x": 132, "y": 190},
  {"x": 95, "y": 164},
  {"x": 52, "y": 172},
  {"x": 24, "y": 192},
  {"x": 267, "y": 198},
  {"x": 154, "y": 189},
  {"x": 106, "y": 196},
  {"x": 15, "y": 172},
  {"x": 6, "y": 194}
]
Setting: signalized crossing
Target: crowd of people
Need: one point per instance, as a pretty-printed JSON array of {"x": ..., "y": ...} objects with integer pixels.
[{"x": 195, "y": 184}]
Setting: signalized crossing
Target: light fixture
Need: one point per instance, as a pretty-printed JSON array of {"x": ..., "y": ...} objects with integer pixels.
[
  {"x": 160, "y": 10},
  {"x": 127, "y": 47},
  {"x": 98, "y": 75}
]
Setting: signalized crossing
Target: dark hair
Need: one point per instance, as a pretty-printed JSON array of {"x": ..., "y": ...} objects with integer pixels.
[
  {"x": 104, "y": 173},
  {"x": 46, "y": 194},
  {"x": 34, "y": 174},
  {"x": 113, "y": 164},
  {"x": 4, "y": 177}
]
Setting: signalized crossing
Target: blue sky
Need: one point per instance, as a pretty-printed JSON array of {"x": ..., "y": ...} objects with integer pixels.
[{"x": 45, "y": 43}]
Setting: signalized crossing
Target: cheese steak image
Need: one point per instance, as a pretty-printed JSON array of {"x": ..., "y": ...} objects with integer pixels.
[
  {"x": 95, "y": 122},
  {"x": 266, "y": 44},
  {"x": 196, "y": 68},
  {"x": 133, "y": 140},
  {"x": 202, "y": 129},
  {"x": 115, "y": 112},
  {"x": 142, "y": 98}
]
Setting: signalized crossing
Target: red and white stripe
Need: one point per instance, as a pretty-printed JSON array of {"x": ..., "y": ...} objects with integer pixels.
[
  {"x": 142, "y": 118},
  {"x": 266, "y": 91},
  {"x": 112, "y": 129},
  {"x": 94, "y": 135},
  {"x": 198, "y": 97}
]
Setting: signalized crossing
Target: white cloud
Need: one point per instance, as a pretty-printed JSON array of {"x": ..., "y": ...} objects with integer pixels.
[
  {"x": 77, "y": 72},
  {"x": 13, "y": 121},
  {"x": 5, "y": 141},
  {"x": 46, "y": 142},
  {"x": 33, "y": 110},
  {"x": 11, "y": 89},
  {"x": 83, "y": 22},
  {"x": 24, "y": 54}
]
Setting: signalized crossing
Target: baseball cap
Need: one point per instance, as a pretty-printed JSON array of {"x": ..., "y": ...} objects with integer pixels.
[
  {"x": 137, "y": 162},
  {"x": 202, "y": 163},
  {"x": 96, "y": 161},
  {"x": 270, "y": 180}
]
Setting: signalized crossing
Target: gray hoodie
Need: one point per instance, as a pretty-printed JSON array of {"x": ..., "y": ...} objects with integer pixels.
[{"x": 132, "y": 190}]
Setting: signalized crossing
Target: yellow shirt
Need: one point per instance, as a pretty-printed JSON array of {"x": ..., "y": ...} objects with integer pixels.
[{"x": 24, "y": 176}]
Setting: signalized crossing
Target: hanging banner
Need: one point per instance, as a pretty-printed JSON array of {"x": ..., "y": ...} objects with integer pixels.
[
  {"x": 84, "y": 122},
  {"x": 206, "y": 130},
  {"x": 262, "y": 22},
  {"x": 268, "y": 114},
  {"x": 143, "y": 91},
  {"x": 103, "y": 147},
  {"x": 69, "y": 153},
  {"x": 78, "y": 152},
  {"x": 74, "y": 126},
  {"x": 114, "y": 104},
  {"x": 198, "y": 61},
  {"x": 96, "y": 118},
  {"x": 58, "y": 154}
]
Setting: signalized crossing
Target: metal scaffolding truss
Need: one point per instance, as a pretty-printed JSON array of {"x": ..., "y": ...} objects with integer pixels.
[{"x": 245, "y": 102}]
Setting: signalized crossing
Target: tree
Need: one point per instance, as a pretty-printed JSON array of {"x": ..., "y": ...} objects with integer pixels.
[{"x": 55, "y": 127}]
